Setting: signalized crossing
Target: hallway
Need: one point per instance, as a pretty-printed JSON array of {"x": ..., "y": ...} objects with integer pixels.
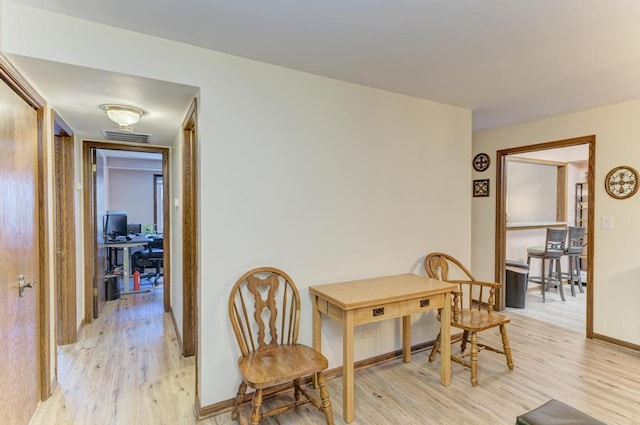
[{"x": 126, "y": 368}]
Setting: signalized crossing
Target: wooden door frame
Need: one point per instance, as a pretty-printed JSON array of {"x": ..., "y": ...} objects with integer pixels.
[
  {"x": 190, "y": 266},
  {"x": 65, "y": 290},
  {"x": 10, "y": 75},
  {"x": 500, "y": 218},
  {"x": 90, "y": 237}
]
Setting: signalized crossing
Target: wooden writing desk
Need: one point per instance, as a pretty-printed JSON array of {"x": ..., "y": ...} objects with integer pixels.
[{"x": 371, "y": 300}]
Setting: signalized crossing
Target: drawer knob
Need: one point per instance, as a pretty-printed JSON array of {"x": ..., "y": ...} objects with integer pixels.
[
  {"x": 425, "y": 303},
  {"x": 378, "y": 312}
]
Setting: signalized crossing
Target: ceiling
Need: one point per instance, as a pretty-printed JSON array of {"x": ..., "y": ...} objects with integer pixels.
[
  {"x": 76, "y": 93},
  {"x": 509, "y": 61}
]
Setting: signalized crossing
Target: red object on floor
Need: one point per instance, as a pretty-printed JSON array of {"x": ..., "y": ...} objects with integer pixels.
[{"x": 136, "y": 280}]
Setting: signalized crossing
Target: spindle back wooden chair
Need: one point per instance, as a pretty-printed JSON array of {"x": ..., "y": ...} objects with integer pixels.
[
  {"x": 472, "y": 311},
  {"x": 264, "y": 308}
]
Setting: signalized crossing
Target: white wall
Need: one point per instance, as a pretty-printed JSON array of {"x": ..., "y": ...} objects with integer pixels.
[
  {"x": 133, "y": 191},
  {"x": 531, "y": 191},
  {"x": 616, "y": 264},
  {"x": 175, "y": 192},
  {"x": 325, "y": 179}
]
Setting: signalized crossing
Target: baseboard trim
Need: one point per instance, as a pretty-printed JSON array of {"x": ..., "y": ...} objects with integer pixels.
[
  {"x": 616, "y": 341},
  {"x": 204, "y": 412}
]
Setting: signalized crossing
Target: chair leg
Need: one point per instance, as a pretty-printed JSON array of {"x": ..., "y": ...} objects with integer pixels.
[
  {"x": 474, "y": 359},
  {"x": 465, "y": 338},
  {"x": 324, "y": 398},
  {"x": 572, "y": 275},
  {"x": 579, "y": 279},
  {"x": 560, "y": 279},
  {"x": 542, "y": 280},
  {"x": 506, "y": 346},
  {"x": 434, "y": 349},
  {"x": 297, "y": 391},
  {"x": 242, "y": 389},
  {"x": 257, "y": 406}
]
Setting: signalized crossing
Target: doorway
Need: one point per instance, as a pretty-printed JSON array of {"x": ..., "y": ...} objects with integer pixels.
[
  {"x": 505, "y": 225},
  {"x": 95, "y": 207}
]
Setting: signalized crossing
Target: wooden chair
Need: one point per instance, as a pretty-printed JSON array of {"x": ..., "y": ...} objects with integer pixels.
[
  {"x": 472, "y": 311},
  {"x": 264, "y": 307}
]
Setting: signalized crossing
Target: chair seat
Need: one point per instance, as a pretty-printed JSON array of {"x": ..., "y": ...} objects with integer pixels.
[
  {"x": 277, "y": 364},
  {"x": 539, "y": 251},
  {"x": 474, "y": 320},
  {"x": 149, "y": 254}
]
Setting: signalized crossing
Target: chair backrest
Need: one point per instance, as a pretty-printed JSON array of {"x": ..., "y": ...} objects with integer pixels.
[
  {"x": 555, "y": 241},
  {"x": 264, "y": 308},
  {"x": 444, "y": 267},
  {"x": 575, "y": 240}
]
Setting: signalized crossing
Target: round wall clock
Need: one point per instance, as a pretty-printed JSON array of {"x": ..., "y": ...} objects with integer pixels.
[
  {"x": 481, "y": 162},
  {"x": 621, "y": 182}
]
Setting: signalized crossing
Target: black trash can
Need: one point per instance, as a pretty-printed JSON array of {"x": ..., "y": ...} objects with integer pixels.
[
  {"x": 112, "y": 289},
  {"x": 516, "y": 284}
]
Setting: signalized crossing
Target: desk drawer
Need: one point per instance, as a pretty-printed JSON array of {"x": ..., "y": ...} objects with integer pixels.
[
  {"x": 375, "y": 313},
  {"x": 421, "y": 304}
]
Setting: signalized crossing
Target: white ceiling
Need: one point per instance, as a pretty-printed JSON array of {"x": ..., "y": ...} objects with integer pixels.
[
  {"x": 511, "y": 61},
  {"x": 76, "y": 94}
]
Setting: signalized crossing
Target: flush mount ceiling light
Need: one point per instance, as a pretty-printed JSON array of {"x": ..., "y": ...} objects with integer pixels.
[{"x": 124, "y": 116}]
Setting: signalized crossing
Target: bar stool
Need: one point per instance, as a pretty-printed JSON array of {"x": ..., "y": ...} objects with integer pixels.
[
  {"x": 553, "y": 250},
  {"x": 573, "y": 251}
]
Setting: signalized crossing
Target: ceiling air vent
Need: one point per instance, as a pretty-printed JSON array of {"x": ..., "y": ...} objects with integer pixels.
[{"x": 126, "y": 136}]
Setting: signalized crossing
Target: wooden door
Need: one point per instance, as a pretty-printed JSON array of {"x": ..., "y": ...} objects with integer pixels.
[
  {"x": 19, "y": 369},
  {"x": 65, "y": 260}
]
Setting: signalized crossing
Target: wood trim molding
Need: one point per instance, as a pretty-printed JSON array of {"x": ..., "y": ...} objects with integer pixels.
[
  {"x": 500, "y": 217},
  {"x": 89, "y": 225},
  {"x": 190, "y": 266},
  {"x": 17, "y": 82},
  {"x": 615, "y": 341}
]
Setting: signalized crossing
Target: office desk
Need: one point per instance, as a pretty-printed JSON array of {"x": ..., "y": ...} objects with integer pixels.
[
  {"x": 370, "y": 300},
  {"x": 125, "y": 245}
]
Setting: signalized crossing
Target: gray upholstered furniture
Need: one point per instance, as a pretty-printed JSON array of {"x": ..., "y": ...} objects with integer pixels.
[
  {"x": 573, "y": 251},
  {"x": 555, "y": 412},
  {"x": 553, "y": 250}
]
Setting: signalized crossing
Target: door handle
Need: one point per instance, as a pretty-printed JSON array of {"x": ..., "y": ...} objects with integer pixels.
[{"x": 22, "y": 285}]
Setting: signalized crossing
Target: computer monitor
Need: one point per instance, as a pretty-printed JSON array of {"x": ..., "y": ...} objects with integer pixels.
[
  {"x": 115, "y": 224},
  {"x": 134, "y": 228}
]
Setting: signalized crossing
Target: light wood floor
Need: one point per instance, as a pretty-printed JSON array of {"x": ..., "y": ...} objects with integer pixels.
[
  {"x": 127, "y": 370},
  {"x": 571, "y": 313}
]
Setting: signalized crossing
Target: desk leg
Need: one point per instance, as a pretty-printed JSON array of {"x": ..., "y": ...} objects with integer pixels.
[
  {"x": 445, "y": 341},
  {"x": 125, "y": 268},
  {"x": 125, "y": 274},
  {"x": 317, "y": 333},
  {"x": 406, "y": 339},
  {"x": 348, "y": 386}
]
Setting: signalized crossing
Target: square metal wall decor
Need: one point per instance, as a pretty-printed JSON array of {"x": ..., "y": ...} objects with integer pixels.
[{"x": 480, "y": 188}]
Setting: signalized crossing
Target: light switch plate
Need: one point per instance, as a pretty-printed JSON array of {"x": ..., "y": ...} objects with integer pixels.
[{"x": 607, "y": 223}]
